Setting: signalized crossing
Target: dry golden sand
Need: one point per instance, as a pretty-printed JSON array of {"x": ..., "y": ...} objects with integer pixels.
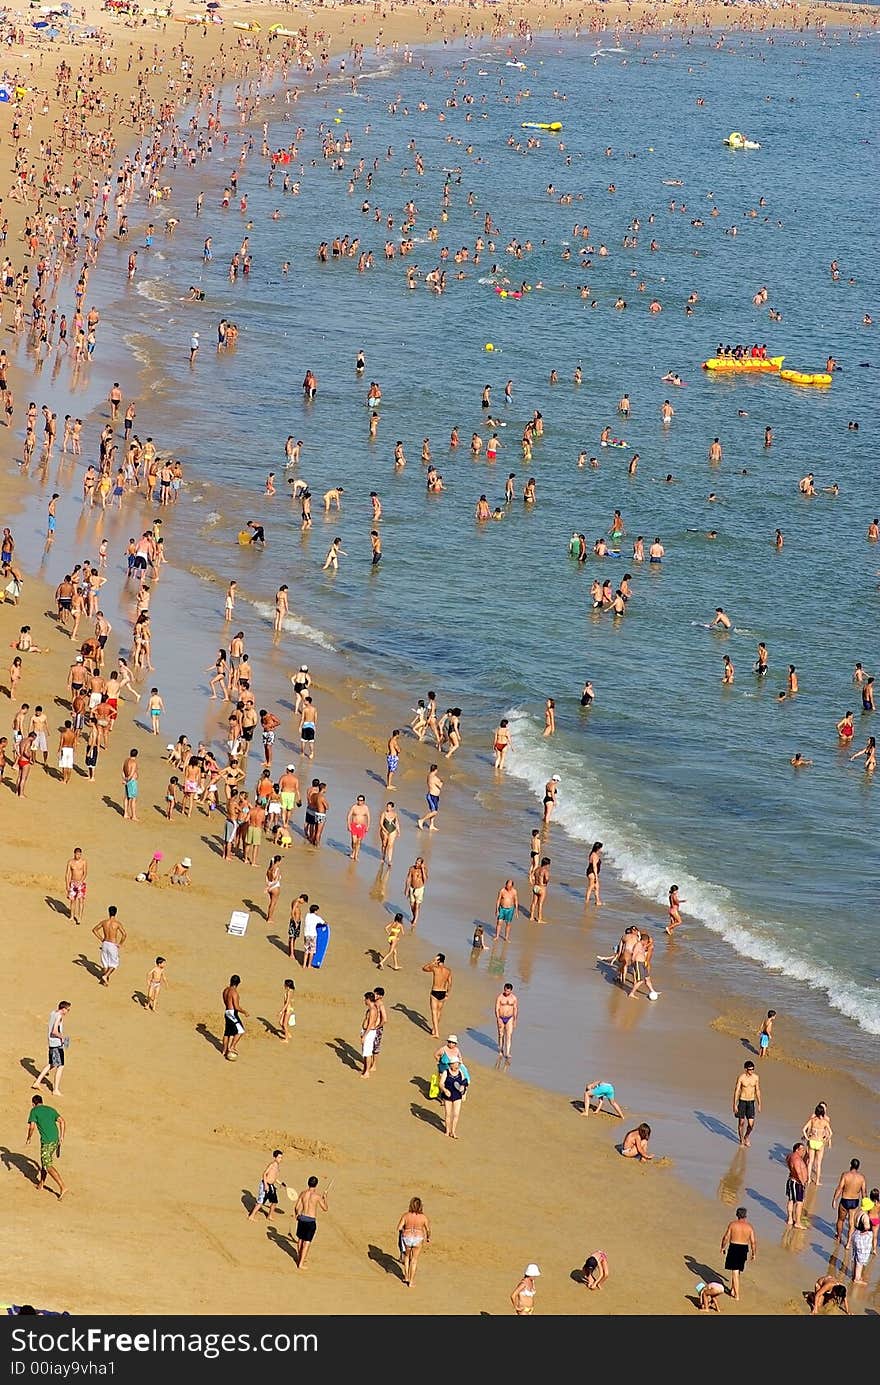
[{"x": 166, "y": 1141}]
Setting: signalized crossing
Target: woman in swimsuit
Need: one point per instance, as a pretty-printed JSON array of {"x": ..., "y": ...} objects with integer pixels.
[
  {"x": 869, "y": 754},
  {"x": 389, "y": 827},
  {"x": 845, "y": 728},
  {"x": 549, "y": 716},
  {"x": 594, "y": 865},
  {"x": 818, "y": 1134},
  {"x": 413, "y": 1231},
  {"x": 523, "y": 1296},
  {"x": 502, "y": 743},
  {"x": 220, "y": 668}
]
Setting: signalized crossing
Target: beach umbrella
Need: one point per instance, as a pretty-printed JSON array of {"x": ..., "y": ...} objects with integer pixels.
[{"x": 5, "y": 92}]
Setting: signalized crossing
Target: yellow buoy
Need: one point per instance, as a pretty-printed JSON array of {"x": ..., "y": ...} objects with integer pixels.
[{"x": 490, "y": 346}]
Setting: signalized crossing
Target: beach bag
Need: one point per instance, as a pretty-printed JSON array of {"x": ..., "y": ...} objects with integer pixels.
[{"x": 434, "y": 1087}]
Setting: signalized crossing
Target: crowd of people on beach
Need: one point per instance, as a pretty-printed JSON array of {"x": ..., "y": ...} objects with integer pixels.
[{"x": 233, "y": 779}]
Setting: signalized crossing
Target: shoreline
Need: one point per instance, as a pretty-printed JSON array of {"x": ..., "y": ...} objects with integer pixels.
[{"x": 342, "y": 755}]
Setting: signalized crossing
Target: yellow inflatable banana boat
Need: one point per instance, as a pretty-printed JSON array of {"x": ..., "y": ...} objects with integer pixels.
[
  {"x": 800, "y": 377},
  {"x": 748, "y": 364},
  {"x": 554, "y": 125}
]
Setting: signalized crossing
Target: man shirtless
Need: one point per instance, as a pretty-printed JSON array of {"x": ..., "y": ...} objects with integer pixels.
[
  {"x": 288, "y": 787},
  {"x": 506, "y": 906},
  {"x": 75, "y": 876},
  {"x": 111, "y": 935},
  {"x": 746, "y": 1101},
  {"x": 416, "y": 880},
  {"x": 358, "y": 824},
  {"x": 66, "y": 748},
  {"x": 130, "y": 786},
  {"x": 232, "y": 1012},
  {"x": 441, "y": 985},
  {"x": 506, "y": 1016},
  {"x": 369, "y": 1026},
  {"x": 848, "y": 1194},
  {"x": 308, "y": 1204},
  {"x": 741, "y": 1244}
]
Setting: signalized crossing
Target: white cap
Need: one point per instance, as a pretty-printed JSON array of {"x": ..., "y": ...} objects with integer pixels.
[
  {"x": 532, "y": 1272},
  {"x": 556, "y": 778},
  {"x": 186, "y": 862},
  {"x": 291, "y": 767},
  {"x": 453, "y": 1039},
  {"x": 170, "y": 746}
]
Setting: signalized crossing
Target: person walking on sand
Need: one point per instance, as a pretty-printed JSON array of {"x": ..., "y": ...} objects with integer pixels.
[
  {"x": 413, "y": 1232},
  {"x": 506, "y": 906},
  {"x": 156, "y": 979},
  {"x": 433, "y": 788},
  {"x": 75, "y": 878},
  {"x": 51, "y": 1127},
  {"x": 233, "y": 1028},
  {"x": 441, "y": 985},
  {"x": 416, "y": 880},
  {"x": 389, "y": 830},
  {"x": 796, "y": 1183},
  {"x": 523, "y": 1296},
  {"x": 746, "y": 1101},
  {"x": 453, "y": 1089},
  {"x": 506, "y": 1016},
  {"x": 741, "y": 1245},
  {"x": 111, "y": 935},
  {"x": 358, "y": 821},
  {"x": 267, "y": 1193},
  {"x": 394, "y": 931},
  {"x": 57, "y": 1045},
  {"x": 310, "y": 1202}
]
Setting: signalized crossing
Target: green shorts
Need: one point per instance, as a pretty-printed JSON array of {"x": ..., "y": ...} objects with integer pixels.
[{"x": 47, "y": 1153}]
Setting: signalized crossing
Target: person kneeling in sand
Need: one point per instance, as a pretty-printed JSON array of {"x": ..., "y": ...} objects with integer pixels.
[
  {"x": 635, "y": 1143},
  {"x": 180, "y": 874},
  {"x": 148, "y": 876}
]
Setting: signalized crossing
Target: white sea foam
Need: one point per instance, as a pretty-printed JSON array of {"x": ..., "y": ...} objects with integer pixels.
[
  {"x": 156, "y": 290},
  {"x": 294, "y": 626},
  {"x": 584, "y": 812}
]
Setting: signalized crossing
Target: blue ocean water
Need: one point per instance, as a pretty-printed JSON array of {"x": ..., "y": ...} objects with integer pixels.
[{"x": 681, "y": 779}]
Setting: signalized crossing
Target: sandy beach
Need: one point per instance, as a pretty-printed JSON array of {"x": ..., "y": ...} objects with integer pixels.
[{"x": 167, "y": 1141}]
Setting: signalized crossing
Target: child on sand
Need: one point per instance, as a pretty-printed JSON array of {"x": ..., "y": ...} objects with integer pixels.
[
  {"x": 155, "y": 706},
  {"x": 156, "y": 979},
  {"x": 766, "y": 1034},
  {"x": 286, "y": 1017}
]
